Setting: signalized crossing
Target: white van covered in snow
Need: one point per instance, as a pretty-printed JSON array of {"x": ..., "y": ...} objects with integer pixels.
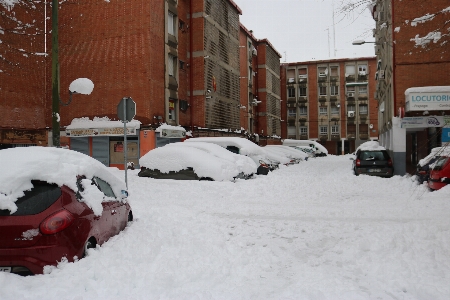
[{"x": 320, "y": 150}]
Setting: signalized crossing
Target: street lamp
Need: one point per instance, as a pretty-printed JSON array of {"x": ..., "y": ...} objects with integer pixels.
[{"x": 360, "y": 42}]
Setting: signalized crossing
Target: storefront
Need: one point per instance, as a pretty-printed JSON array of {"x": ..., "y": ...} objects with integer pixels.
[{"x": 103, "y": 139}]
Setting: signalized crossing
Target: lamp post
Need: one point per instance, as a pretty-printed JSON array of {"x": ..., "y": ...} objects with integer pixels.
[
  {"x": 55, "y": 77},
  {"x": 78, "y": 86}
]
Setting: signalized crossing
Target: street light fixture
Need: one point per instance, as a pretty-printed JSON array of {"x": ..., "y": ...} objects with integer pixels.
[{"x": 360, "y": 42}]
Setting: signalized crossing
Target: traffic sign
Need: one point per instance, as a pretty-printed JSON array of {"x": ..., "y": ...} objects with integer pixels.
[{"x": 126, "y": 109}]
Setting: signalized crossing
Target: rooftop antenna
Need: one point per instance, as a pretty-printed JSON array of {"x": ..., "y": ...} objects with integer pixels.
[
  {"x": 285, "y": 56},
  {"x": 328, "y": 29}
]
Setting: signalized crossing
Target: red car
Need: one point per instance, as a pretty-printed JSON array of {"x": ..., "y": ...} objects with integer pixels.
[
  {"x": 61, "y": 213},
  {"x": 440, "y": 173}
]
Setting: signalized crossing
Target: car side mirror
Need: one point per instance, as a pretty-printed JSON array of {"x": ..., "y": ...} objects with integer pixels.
[
  {"x": 124, "y": 194},
  {"x": 351, "y": 158}
]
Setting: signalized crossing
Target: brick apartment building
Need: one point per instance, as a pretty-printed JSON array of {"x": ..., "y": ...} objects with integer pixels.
[
  {"x": 404, "y": 69},
  {"x": 180, "y": 61},
  {"x": 330, "y": 101}
]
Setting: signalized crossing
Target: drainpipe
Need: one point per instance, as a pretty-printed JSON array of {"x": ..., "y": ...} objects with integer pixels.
[
  {"x": 393, "y": 61},
  {"x": 191, "y": 72}
]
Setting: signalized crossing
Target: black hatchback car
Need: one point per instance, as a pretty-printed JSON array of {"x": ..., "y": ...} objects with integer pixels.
[{"x": 373, "y": 162}]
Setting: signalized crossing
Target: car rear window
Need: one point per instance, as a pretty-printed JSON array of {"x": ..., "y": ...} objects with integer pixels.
[
  {"x": 35, "y": 201},
  {"x": 373, "y": 155}
]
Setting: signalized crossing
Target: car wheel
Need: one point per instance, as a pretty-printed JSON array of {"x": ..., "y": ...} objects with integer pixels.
[{"x": 90, "y": 244}]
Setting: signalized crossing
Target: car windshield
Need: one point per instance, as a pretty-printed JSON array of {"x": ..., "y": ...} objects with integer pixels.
[
  {"x": 35, "y": 201},
  {"x": 440, "y": 163},
  {"x": 372, "y": 155}
]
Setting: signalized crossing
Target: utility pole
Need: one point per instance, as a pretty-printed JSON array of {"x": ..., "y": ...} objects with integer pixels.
[{"x": 55, "y": 77}]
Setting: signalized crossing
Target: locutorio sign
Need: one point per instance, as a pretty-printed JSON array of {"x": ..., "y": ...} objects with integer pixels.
[{"x": 428, "y": 98}]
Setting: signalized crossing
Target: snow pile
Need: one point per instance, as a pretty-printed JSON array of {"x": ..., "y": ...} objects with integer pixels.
[
  {"x": 19, "y": 166},
  {"x": 101, "y": 122},
  {"x": 207, "y": 160},
  {"x": 286, "y": 151},
  {"x": 81, "y": 86},
  {"x": 245, "y": 146},
  {"x": 308, "y": 231},
  {"x": 170, "y": 127},
  {"x": 370, "y": 146}
]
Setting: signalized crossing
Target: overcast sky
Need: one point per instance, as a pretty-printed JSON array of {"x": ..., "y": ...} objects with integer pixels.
[{"x": 298, "y": 28}]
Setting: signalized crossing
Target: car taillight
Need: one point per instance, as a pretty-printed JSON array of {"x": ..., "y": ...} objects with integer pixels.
[
  {"x": 56, "y": 222},
  {"x": 389, "y": 162},
  {"x": 358, "y": 162}
]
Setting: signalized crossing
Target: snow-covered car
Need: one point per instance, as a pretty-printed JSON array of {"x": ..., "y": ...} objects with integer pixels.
[
  {"x": 199, "y": 161},
  {"x": 55, "y": 204},
  {"x": 372, "y": 159},
  {"x": 294, "y": 155},
  {"x": 265, "y": 161},
  {"x": 311, "y": 152},
  {"x": 425, "y": 164}
]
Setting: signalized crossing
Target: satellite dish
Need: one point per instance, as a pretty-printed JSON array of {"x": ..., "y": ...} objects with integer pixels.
[{"x": 371, "y": 126}]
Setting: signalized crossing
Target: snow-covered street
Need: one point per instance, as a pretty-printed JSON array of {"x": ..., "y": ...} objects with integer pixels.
[{"x": 307, "y": 231}]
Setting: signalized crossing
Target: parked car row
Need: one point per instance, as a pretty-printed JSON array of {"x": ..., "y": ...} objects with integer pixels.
[
  {"x": 216, "y": 158},
  {"x": 55, "y": 203}
]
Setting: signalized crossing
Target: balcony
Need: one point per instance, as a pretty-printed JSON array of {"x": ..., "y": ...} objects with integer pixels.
[
  {"x": 302, "y": 78},
  {"x": 335, "y": 137},
  {"x": 351, "y": 135},
  {"x": 291, "y": 100},
  {"x": 334, "y": 78},
  {"x": 303, "y": 136},
  {"x": 302, "y": 99},
  {"x": 362, "y": 97},
  {"x": 302, "y": 119},
  {"x": 363, "y": 135},
  {"x": 290, "y": 81},
  {"x": 350, "y": 78},
  {"x": 323, "y": 138},
  {"x": 322, "y": 98},
  {"x": 322, "y": 77}
]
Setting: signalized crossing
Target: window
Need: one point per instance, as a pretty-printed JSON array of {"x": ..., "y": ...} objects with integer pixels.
[
  {"x": 323, "y": 130},
  {"x": 334, "y": 90},
  {"x": 335, "y": 129},
  {"x": 334, "y": 110},
  {"x": 172, "y": 61},
  {"x": 291, "y": 112},
  {"x": 290, "y": 76},
  {"x": 351, "y": 89},
  {"x": 322, "y": 90},
  {"x": 323, "y": 110},
  {"x": 303, "y": 130},
  {"x": 291, "y": 92},
  {"x": 250, "y": 74},
  {"x": 349, "y": 70},
  {"x": 334, "y": 71},
  {"x": 302, "y": 73},
  {"x": 104, "y": 187},
  {"x": 181, "y": 64},
  {"x": 172, "y": 110},
  {"x": 363, "y": 109},
  {"x": 363, "y": 89},
  {"x": 302, "y": 91},
  {"x": 303, "y": 110},
  {"x": 171, "y": 23},
  {"x": 362, "y": 70},
  {"x": 350, "y": 108},
  {"x": 323, "y": 71},
  {"x": 291, "y": 130}
]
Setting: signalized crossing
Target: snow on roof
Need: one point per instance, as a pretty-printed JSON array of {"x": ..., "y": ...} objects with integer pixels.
[
  {"x": 98, "y": 122},
  {"x": 428, "y": 89},
  {"x": 18, "y": 166},
  {"x": 166, "y": 126},
  {"x": 207, "y": 160},
  {"x": 245, "y": 146},
  {"x": 371, "y": 145}
]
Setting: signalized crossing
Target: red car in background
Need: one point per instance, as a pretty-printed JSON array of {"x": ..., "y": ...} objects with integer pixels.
[
  {"x": 57, "y": 216},
  {"x": 440, "y": 173}
]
